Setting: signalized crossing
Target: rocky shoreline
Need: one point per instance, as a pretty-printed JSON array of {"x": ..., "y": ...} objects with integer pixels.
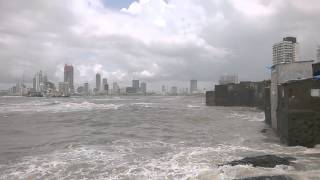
[{"x": 266, "y": 161}]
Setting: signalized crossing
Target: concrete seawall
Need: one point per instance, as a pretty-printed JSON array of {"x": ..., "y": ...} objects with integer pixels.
[{"x": 297, "y": 110}]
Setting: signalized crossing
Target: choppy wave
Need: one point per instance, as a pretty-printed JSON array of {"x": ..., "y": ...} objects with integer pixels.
[
  {"x": 57, "y": 106},
  {"x": 124, "y": 160},
  {"x": 248, "y": 116},
  {"x": 193, "y": 106}
]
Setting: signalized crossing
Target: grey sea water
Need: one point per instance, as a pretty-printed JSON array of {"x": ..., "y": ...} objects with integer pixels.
[{"x": 137, "y": 138}]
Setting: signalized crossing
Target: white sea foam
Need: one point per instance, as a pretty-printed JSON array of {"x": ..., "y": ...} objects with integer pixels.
[
  {"x": 123, "y": 160},
  {"x": 193, "y": 106},
  {"x": 259, "y": 117},
  {"x": 57, "y": 106}
]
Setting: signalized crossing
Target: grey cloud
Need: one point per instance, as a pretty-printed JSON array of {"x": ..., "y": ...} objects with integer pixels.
[{"x": 39, "y": 35}]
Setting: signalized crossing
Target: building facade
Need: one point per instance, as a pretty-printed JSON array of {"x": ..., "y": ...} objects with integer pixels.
[
  {"x": 193, "y": 86},
  {"x": 143, "y": 88},
  {"x": 64, "y": 89},
  {"x": 286, "y": 51},
  {"x": 282, "y": 73},
  {"x": 228, "y": 79},
  {"x": 135, "y": 84},
  {"x": 68, "y": 76},
  {"x": 98, "y": 82}
]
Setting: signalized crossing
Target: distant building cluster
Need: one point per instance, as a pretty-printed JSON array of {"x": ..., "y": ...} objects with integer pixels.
[
  {"x": 228, "y": 79},
  {"x": 41, "y": 86}
]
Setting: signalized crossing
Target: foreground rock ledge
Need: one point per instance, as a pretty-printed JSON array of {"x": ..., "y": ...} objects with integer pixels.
[
  {"x": 268, "y": 161},
  {"x": 267, "y": 178}
]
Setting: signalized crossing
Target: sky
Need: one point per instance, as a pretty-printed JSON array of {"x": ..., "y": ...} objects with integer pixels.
[{"x": 156, "y": 41}]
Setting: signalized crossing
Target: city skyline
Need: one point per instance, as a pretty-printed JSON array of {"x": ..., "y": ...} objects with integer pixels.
[{"x": 187, "y": 40}]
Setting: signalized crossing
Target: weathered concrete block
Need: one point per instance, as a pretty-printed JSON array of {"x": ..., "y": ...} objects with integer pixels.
[{"x": 210, "y": 98}]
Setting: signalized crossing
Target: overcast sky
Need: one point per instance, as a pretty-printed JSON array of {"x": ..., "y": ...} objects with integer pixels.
[{"x": 151, "y": 40}]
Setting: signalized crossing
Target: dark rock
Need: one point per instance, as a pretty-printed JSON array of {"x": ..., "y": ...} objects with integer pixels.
[
  {"x": 269, "y": 161},
  {"x": 281, "y": 177},
  {"x": 263, "y": 131}
]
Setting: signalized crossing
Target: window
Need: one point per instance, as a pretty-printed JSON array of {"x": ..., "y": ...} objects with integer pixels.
[{"x": 315, "y": 92}]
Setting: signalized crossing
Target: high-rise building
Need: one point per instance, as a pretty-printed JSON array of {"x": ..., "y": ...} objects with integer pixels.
[
  {"x": 318, "y": 54},
  {"x": 98, "y": 82},
  {"x": 228, "y": 79},
  {"x": 286, "y": 51},
  {"x": 38, "y": 82},
  {"x": 34, "y": 82},
  {"x": 68, "y": 76},
  {"x": 163, "y": 90},
  {"x": 174, "y": 90},
  {"x": 86, "y": 88},
  {"x": 64, "y": 89},
  {"x": 135, "y": 84},
  {"x": 193, "y": 86},
  {"x": 105, "y": 85},
  {"x": 143, "y": 87}
]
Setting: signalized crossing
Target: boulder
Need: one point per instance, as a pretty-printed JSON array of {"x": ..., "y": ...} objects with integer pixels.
[
  {"x": 268, "y": 161},
  {"x": 280, "y": 177}
]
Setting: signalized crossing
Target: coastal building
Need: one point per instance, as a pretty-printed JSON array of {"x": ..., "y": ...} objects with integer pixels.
[
  {"x": 228, "y": 79},
  {"x": 38, "y": 82},
  {"x": 193, "y": 86},
  {"x": 174, "y": 91},
  {"x": 143, "y": 88},
  {"x": 286, "y": 51},
  {"x": 86, "y": 90},
  {"x": 246, "y": 93},
  {"x": 105, "y": 86},
  {"x": 299, "y": 112},
  {"x": 68, "y": 76},
  {"x": 282, "y": 73},
  {"x": 64, "y": 89},
  {"x": 98, "y": 82},
  {"x": 80, "y": 89},
  {"x": 135, "y": 84},
  {"x": 131, "y": 90}
]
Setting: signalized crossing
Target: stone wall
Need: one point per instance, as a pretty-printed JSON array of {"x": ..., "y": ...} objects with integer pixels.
[
  {"x": 282, "y": 73},
  {"x": 245, "y": 93},
  {"x": 298, "y": 113},
  {"x": 210, "y": 98}
]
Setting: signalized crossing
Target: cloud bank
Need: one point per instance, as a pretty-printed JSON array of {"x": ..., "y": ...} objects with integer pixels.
[{"x": 151, "y": 40}]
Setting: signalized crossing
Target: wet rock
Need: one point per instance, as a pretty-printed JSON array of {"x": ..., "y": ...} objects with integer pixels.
[
  {"x": 263, "y": 131},
  {"x": 269, "y": 161},
  {"x": 281, "y": 177}
]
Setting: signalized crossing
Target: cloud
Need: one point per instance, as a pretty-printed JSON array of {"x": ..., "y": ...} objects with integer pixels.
[{"x": 153, "y": 40}]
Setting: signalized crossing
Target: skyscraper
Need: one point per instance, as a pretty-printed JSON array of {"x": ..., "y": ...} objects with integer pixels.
[
  {"x": 38, "y": 82},
  {"x": 98, "y": 82},
  {"x": 105, "y": 86},
  {"x": 135, "y": 84},
  {"x": 86, "y": 88},
  {"x": 143, "y": 87},
  {"x": 193, "y": 86},
  {"x": 318, "y": 54},
  {"x": 286, "y": 51},
  {"x": 68, "y": 76}
]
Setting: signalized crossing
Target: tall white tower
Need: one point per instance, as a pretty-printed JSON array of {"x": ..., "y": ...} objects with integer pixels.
[{"x": 286, "y": 51}]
